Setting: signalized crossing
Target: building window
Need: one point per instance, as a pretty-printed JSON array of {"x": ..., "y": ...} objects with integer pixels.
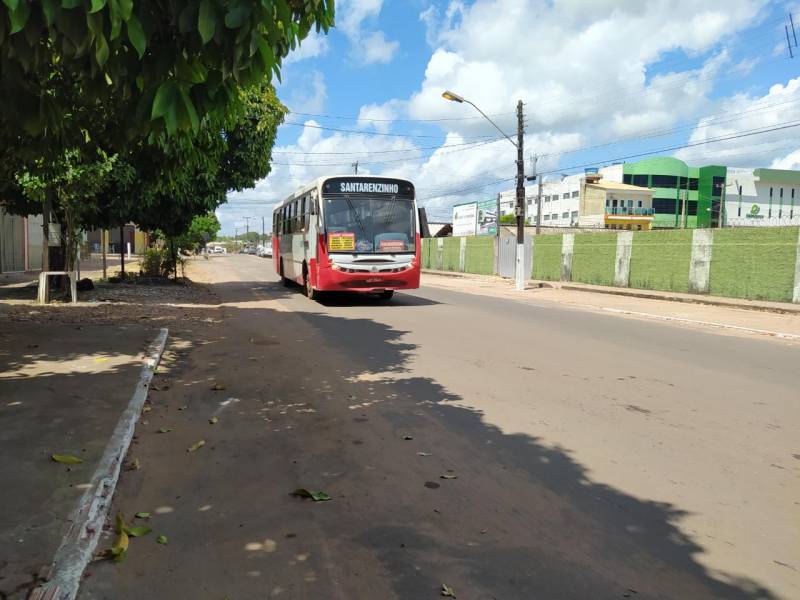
[
  {"x": 565, "y": 196},
  {"x": 627, "y": 178},
  {"x": 547, "y": 217},
  {"x": 682, "y": 181},
  {"x": 565, "y": 215},
  {"x": 717, "y": 185},
  {"x": 630, "y": 203},
  {"x": 665, "y": 181},
  {"x": 664, "y": 205},
  {"x": 608, "y": 202},
  {"x": 640, "y": 204},
  {"x": 691, "y": 207},
  {"x": 575, "y": 194},
  {"x": 554, "y": 216},
  {"x": 693, "y": 184},
  {"x": 574, "y": 214},
  {"x": 641, "y": 181}
]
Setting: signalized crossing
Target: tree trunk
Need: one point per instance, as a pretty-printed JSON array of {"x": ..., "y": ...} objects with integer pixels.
[
  {"x": 46, "y": 233},
  {"x": 103, "y": 248},
  {"x": 174, "y": 258},
  {"x": 122, "y": 249}
]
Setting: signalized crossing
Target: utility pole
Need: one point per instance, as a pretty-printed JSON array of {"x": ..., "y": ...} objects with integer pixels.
[
  {"x": 520, "y": 210},
  {"x": 355, "y": 166},
  {"x": 534, "y": 175},
  {"x": 247, "y": 228}
]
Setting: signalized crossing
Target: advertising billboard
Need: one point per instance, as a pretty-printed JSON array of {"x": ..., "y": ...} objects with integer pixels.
[
  {"x": 487, "y": 217},
  {"x": 465, "y": 219}
]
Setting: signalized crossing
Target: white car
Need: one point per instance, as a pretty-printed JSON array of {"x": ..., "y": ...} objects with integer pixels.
[{"x": 218, "y": 250}]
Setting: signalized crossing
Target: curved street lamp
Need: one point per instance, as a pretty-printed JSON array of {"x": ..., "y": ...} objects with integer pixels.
[{"x": 520, "y": 210}]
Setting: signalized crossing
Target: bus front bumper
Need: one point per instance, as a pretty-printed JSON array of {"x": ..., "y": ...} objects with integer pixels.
[{"x": 331, "y": 280}]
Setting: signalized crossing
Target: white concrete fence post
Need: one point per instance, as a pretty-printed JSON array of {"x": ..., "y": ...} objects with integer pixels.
[
  {"x": 622, "y": 266},
  {"x": 796, "y": 292},
  {"x": 462, "y": 255},
  {"x": 567, "y": 246},
  {"x": 440, "y": 254},
  {"x": 700, "y": 266}
]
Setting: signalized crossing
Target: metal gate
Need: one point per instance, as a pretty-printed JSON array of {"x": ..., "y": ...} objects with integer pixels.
[
  {"x": 507, "y": 264},
  {"x": 12, "y": 243}
]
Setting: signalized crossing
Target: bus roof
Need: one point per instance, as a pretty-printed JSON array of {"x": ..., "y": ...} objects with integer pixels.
[{"x": 317, "y": 183}]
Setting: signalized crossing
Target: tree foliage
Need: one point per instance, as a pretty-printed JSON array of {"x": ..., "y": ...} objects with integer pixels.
[{"x": 164, "y": 65}]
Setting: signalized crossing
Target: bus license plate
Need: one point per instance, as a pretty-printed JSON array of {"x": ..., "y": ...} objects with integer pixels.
[{"x": 373, "y": 280}]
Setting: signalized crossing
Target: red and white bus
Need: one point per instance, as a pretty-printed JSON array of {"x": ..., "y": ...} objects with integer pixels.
[{"x": 349, "y": 234}]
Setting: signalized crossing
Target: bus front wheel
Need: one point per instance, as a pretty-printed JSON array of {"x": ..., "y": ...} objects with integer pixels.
[{"x": 311, "y": 293}]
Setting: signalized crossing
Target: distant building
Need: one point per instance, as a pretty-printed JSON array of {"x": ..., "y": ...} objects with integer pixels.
[
  {"x": 762, "y": 197},
  {"x": 682, "y": 197}
]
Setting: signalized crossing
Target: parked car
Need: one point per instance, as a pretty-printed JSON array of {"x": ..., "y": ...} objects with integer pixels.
[
  {"x": 248, "y": 250},
  {"x": 264, "y": 251},
  {"x": 218, "y": 250}
]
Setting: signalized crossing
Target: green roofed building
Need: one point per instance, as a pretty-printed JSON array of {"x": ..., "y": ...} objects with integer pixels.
[{"x": 683, "y": 196}]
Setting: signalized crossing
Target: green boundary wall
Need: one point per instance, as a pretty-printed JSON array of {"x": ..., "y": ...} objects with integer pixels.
[
  {"x": 751, "y": 263},
  {"x": 660, "y": 260},
  {"x": 547, "y": 257},
  {"x": 593, "y": 258},
  {"x": 754, "y": 263},
  {"x": 479, "y": 256},
  {"x": 450, "y": 253}
]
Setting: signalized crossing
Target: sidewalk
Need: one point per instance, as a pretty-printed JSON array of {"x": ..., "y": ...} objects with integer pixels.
[
  {"x": 762, "y": 305},
  {"x": 63, "y": 388},
  {"x": 724, "y": 315}
]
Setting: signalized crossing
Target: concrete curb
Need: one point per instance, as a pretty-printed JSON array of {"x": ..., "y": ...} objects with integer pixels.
[
  {"x": 784, "y": 336},
  {"x": 684, "y": 299},
  {"x": 79, "y": 544}
]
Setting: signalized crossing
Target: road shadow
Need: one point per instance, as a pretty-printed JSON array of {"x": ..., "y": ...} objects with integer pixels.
[
  {"x": 559, "y": 534},
  {"x": 568, "y": 536}
]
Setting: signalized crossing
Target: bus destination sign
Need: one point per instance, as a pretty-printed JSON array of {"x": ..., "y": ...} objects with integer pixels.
[{"x": 372, "y": 186}]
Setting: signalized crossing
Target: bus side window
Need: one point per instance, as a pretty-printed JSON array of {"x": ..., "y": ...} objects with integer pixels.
[{"x": 301, "y": 219}]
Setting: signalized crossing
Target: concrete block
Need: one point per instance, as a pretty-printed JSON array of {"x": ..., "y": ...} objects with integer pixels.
[
  {"x": 700, "y": 265},
  {"x": 567, "y": 249},
  {"x": 622, "y": 265}
]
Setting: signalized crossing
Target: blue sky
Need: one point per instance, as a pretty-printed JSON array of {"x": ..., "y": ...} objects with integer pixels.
[{"x": 601, "y": 81}]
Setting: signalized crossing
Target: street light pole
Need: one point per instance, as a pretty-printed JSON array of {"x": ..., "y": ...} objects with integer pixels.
[
  {"x": 520, "y": 208},
  {"x": 520, "y": 201}
]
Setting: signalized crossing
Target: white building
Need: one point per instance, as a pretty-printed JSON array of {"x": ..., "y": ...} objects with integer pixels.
[
  {"x": 762, "y": 197},
  {"x": 560, "y": 198}
]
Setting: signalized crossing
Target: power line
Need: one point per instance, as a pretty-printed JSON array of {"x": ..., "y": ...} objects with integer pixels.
[
  {"x": 788, "y": 125},
  {"x": 386, "y": 151},
  {"x": 371, "y": 120},
  {"x": 379, "y": 133}
]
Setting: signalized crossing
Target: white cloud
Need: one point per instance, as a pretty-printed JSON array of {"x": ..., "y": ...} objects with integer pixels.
[
  {"x": 375, "y": 48},
  {"x": 790, "y": 161},
  {"x": 748, "y": 113},
  {"x": 367, "y": 47},
  {"x": 379, "y": 116},
  {"x": 310, "y": 98},
  {"x": 316, "y": 44},
  {"x": 589, "y": 72}
]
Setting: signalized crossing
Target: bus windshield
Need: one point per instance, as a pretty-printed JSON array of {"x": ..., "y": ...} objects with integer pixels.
[{"x": 366, "y": 224}]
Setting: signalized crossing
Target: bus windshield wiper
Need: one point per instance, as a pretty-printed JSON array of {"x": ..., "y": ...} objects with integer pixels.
[{"x": 358, "y": 219}]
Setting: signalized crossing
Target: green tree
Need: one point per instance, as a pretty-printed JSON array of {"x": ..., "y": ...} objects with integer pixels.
[
  {"x": 203, "y": 229},
  {"x": 163, "y": 66}
]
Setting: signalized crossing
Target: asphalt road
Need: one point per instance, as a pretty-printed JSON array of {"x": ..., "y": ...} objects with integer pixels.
[{"x": 508, "y": 450}]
